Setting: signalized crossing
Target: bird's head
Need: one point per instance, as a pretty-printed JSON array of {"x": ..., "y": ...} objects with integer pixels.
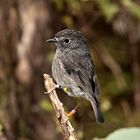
[{"x": 68, "y": 39}]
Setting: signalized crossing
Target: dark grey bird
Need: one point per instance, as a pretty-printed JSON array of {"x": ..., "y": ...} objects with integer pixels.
[{"x": 73, "y": 68}]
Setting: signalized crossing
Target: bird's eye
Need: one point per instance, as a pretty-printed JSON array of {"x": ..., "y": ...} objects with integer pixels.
[{"x": 66, "y": 41}]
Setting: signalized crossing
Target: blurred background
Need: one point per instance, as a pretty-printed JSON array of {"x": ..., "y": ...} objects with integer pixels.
[{"x": 112, "y": 28}]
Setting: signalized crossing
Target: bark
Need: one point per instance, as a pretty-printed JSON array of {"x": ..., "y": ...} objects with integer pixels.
[{"x": 68, "y": 130}]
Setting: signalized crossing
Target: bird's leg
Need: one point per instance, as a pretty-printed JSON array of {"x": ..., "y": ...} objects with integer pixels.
[
  {"x": 55, "y": 86},
  {"x": 72, "y": 112}
]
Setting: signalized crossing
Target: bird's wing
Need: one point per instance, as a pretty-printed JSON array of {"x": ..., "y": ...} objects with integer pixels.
[{"x": 82, "y": 72}]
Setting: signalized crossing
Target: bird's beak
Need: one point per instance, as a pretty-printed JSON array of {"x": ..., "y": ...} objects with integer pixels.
[{"x": 52, "y": 40}]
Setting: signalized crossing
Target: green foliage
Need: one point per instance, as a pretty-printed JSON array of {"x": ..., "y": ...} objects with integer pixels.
[
  {"x": 59, "y": 4},
  {"x": 108, "y": 9},
  {"x": 68, "y": 20},
  {"x": 123, "y": 134},
  {"x": 133, "y": 7},
  {"x": 46, "y": 105}
]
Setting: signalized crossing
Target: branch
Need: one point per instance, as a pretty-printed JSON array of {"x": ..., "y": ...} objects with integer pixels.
[{"x": 68, "y": 130}]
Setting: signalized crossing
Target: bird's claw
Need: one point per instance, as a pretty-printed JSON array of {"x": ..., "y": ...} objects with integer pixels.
[
  {"x": 55, "y": 86},
  {"x": 45, "y": 92},
  {"x": 72, "y": 112}
]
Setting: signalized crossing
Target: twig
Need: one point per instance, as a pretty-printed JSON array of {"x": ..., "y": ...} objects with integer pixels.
[{"x": 68, "y": 130}]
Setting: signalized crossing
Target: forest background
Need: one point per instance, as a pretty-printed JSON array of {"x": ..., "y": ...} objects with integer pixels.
[{"x": 112, "y": 28}]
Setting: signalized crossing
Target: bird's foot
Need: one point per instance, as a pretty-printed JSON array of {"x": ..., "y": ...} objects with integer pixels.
[
  {"x": 55, "y": 86},
  {"x": 72, "y": 112}
]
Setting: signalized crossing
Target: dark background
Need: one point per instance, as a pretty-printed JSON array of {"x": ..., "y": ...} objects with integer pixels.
[{"x": 112, "y": 28}]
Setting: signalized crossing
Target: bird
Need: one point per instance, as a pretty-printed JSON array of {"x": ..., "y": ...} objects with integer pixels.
[{"x": 73, "y": 68}]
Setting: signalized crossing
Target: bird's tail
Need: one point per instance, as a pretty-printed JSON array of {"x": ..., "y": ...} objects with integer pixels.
[{"x": 98, "y": 114}]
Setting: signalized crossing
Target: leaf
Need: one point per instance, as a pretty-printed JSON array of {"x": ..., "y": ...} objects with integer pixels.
[{"x": 124, "y": 134}]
